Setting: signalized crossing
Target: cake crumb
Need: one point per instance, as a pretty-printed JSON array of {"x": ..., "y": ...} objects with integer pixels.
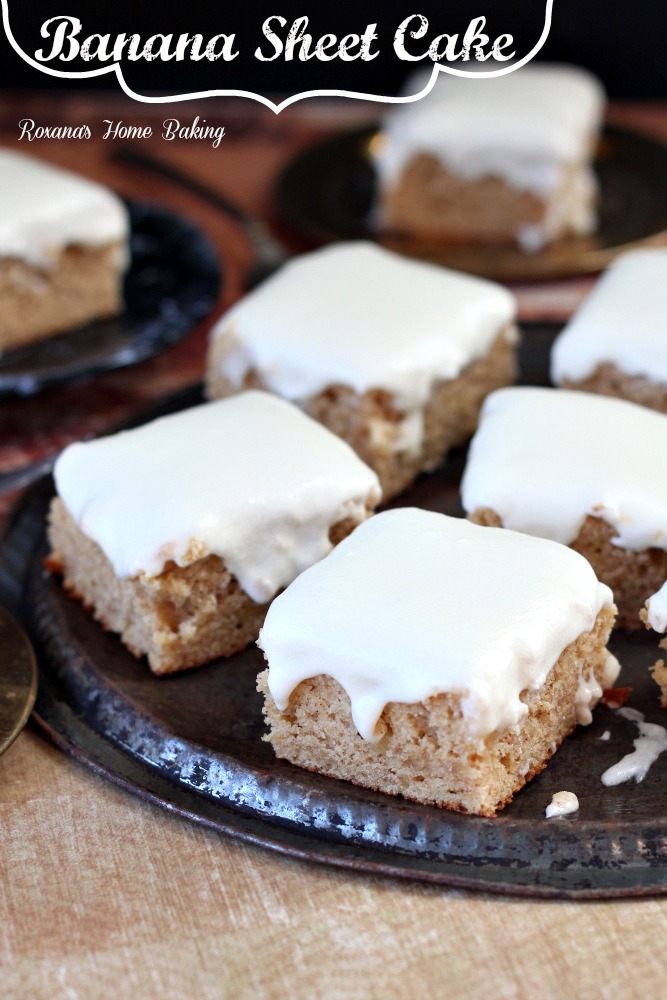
[
  {"x": 562, "y": 804},
  {"x": 605, "y": 736},
  {"x": 659, "y": 675}
]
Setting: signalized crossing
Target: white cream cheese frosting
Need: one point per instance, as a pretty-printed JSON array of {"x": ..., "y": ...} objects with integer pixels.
[
  {"x": 250, "y": 479},
  {"x": 523, "y": 127},
  {"x": 356, "y": 315},
  {"x": 414, "y": 604},
  {"x": 544, "y": 459},
  {"x": 623, "y": 322},
  {"x": 44, "y": 209},
  {"x": 656, "y": 610}
]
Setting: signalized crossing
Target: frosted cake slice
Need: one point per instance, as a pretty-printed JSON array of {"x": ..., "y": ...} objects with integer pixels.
[
  {"x": 616, "y": 343},
  {"x": 506, "y": 159},
  {"x": 178, "y": 534},
  {"x": 393, "y": 355},
  {"x": 581, "y": 469},
  {"x": 63, "y": 250},
  {"x": 404, "y": 662}
]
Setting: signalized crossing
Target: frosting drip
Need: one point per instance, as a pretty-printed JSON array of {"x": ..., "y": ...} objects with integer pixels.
[
  {"x": 414, "y": 604},
  {"x": 623, "y": 322},
  {"x": 250, "y": 479},
  {"x": 44, "y": 209},
  {"x": 651, "y": 742},
  {"x": 544, "y": 459},
  {"x": 590, "y": 689}
]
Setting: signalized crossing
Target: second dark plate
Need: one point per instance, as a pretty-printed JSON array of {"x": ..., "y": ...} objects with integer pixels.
[
  {"x": 328, "y": 191},
  {"x": 173, "y": 282}
]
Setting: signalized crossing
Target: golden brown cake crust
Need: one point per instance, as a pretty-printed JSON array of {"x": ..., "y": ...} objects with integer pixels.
[
  {"x": 370, "y": 423},
  {"x": 632, "y": 576},
  {"x": 607, "y": 380},
  {"x": 425, "y": 753},
  {"x": 85, "y": 283},
  {"x": 185, "y": 616},
  {"x": 427, "y": 200}
]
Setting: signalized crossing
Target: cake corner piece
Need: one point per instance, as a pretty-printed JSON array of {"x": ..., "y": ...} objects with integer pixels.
[{"x": 614, "y": 345}]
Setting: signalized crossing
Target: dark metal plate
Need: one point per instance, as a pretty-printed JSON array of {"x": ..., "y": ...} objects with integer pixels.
[
  {"x": 172, "y": 283},
  {"x": 192, "y": 743},
  {"x": 328, "y": 191},
  {"x": 18, "y": 679}
]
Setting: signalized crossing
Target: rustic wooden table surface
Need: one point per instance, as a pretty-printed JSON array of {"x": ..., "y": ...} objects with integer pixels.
[{"x": 102, "y": 895}]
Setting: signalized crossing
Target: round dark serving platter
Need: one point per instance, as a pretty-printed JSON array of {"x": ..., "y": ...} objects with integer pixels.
[
  {"x": 192, "y": 743},
  {"x": 328, "y": 191},
  {"x": 172, "y": 283}
]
